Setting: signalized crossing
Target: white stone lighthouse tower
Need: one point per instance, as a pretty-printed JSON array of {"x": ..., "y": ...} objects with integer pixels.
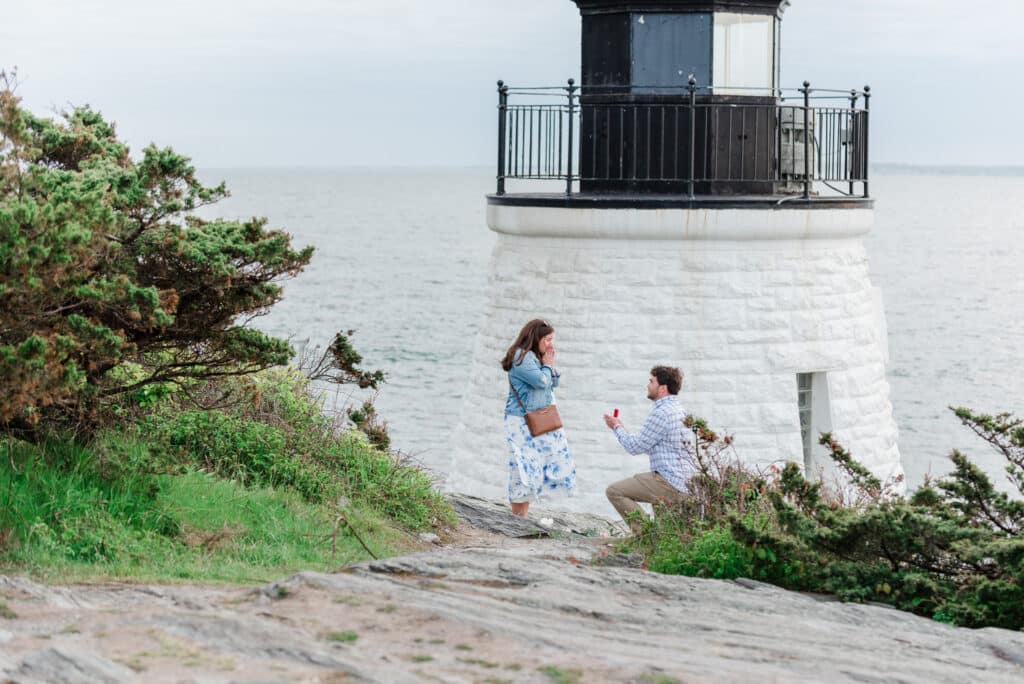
[{"x": 678, "y": 207}]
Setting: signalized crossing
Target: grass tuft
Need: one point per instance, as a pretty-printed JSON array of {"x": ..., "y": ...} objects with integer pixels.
[
  {"x": 346, "y": 637},
  {"x": 559, "y": 676}
]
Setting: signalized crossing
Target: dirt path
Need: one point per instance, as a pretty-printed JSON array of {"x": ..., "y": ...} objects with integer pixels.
[{"x": 485, "y": 607}]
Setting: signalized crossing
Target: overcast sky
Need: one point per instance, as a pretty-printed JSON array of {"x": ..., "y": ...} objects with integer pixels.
[{"x": 411, "y": 82}]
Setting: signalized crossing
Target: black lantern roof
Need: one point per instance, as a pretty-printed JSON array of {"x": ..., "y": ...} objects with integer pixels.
[{"x": 773, "y": 7}]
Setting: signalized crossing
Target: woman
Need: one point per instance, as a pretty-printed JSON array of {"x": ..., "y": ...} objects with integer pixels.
[{"x": 542, "y": 463}]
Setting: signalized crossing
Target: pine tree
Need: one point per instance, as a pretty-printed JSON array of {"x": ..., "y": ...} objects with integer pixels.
[{"x": 104, "y": 266}]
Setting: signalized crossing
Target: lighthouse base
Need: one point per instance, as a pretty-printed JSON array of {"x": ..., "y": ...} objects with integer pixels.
[{"x": 769, "y": 313}]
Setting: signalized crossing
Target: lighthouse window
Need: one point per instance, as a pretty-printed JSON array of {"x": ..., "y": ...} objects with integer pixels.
[
  {"x": 812, "y": 401},
  {"x": 804, "y": 398},
  {"x": 667, "y": 48},
  {"x": 744, "y": 46}
]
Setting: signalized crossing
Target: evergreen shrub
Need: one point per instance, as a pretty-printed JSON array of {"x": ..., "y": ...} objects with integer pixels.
[{"x": 952, "y": 550}]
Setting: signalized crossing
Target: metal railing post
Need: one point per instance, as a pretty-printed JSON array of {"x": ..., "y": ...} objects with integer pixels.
[
  {"x": 806, "y": 90},
  {"x": 568, "y": 167},
  {"x": 502, "y": 109},
  {"x": 850, "y": 144},
  {"x": 867, "y": 117},
  {"x": 692, "y": 87}
]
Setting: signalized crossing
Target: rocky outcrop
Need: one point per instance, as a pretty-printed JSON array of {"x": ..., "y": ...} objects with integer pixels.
[
  {"x": 490, "y": 607},
  {"x": 493, "y": 516}
]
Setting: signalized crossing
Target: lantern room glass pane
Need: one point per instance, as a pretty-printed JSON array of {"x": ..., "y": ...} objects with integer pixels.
[
  {"x": 667, "y": 48},
  {"x": 744, "y": 54}
]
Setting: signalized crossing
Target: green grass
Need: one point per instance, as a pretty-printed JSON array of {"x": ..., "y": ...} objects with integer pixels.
[
  {"x": 346, "y": 637},
  {"x": 280, "y": 437},
  {"x": 559, "y": 676},
  {"x": 6, "y": 613},
  {"x": 164, "y": 491},
  {"x": 710, "y": 552},
  {"x": 67, "y": 522},
  {"x": 649, "y": 678},
  {"x": 477, "y": 661}
]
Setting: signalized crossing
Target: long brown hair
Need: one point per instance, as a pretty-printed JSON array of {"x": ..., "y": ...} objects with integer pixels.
[{"x": 528, "y": 340}]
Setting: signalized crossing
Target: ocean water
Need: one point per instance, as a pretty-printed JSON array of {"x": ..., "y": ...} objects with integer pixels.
[{"x": 402, "y": 258}]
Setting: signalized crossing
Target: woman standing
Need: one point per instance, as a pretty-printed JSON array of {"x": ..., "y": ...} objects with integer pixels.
[{"x": 541, "y": 463}]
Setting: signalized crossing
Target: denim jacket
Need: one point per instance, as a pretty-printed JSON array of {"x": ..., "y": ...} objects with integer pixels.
[{"x": 532, "y": 381}]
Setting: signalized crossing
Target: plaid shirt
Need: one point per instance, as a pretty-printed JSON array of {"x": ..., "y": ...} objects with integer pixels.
[{"x": 667, "y": 442}]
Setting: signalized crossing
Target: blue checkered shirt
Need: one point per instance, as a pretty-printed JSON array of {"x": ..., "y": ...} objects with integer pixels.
[{"x": 667, "y": 442}]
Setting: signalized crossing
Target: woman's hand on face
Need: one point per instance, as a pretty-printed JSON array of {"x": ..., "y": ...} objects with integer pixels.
[{"x": 546, "y": 347}]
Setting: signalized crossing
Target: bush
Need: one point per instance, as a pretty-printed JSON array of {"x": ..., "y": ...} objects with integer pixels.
[
  {"x": 245, "y": 450},
  {"x": 709, "y": 551},
  {"x": 273, "y": 432},
  {"x": 953, "y": 551}
]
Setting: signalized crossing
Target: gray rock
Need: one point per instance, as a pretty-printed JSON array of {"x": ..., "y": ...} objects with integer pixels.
[
  {"x": 620, "y": 560},
  {"x": 263, "y": 639},
  {"x": 56, "y": 596},
  {"x": 62, "y": 666},
  {"x": 692, "y": 628},
  {"x": 496, "y": 517},
  {"x": 503, "y": 609},
  {"x": 493, "y": 517}
]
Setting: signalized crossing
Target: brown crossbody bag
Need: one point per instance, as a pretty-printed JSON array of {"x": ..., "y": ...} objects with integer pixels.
[{"x": 541, "y": 421}]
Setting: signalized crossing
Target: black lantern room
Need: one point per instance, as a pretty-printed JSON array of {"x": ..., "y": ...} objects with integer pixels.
[
  {"x": 729, "y": 47},
  {"x": 641, "y": 59},
  {"x": 682, "y": 98}
]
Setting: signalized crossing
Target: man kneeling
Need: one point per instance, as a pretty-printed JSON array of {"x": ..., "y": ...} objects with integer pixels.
[{"x": 668, "y": 443}]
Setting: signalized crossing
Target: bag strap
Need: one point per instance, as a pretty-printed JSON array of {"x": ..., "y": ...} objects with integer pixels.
[{"x": 513, "y": 388}]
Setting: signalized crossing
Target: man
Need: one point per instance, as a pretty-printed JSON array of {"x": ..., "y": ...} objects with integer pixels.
[{"x": 668, "y": 443}]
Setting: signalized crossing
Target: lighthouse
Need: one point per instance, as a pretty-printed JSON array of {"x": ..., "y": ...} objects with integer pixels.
[{"x": 677, "y": 206}]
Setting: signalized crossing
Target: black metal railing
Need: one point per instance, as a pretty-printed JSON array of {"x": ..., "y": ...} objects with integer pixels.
[
  {"x": 538, "y": 140},
  {"x": 804, "y": 142}
]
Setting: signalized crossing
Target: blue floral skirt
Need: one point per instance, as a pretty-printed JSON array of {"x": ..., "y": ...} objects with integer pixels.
[{"x": 537, "y": 464}]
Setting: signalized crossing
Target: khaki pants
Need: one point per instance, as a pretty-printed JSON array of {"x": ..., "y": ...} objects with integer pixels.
[{"x": 646, "y": 487}]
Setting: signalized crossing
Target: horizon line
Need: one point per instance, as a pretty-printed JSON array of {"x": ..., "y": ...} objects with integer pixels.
[
  {"x": 325, "y": 167},
  {"x": 911, "y": 168}
]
